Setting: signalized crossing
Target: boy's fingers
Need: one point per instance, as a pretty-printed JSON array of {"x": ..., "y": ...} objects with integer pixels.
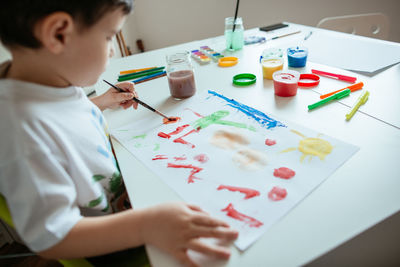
[
  {"x": 120, "y": 97},
  {"x": 201, "y": 247},
  {"x": 185, "y": 260},
  {"x": 127, "y": 86},
  {"x": 216, "y": 232},
  {"x": 196, "y": 208},
  {"x": 206, "y": 220},
  {"x": 126, "y": 105}
]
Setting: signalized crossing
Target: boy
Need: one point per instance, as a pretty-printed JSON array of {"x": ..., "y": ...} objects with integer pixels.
[{"x": 56, "y": 165}]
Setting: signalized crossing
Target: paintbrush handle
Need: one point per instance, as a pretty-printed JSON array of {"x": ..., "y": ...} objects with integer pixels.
[
  {"x": 148, "y": 107},
  {"x": 136, "y": 100}
]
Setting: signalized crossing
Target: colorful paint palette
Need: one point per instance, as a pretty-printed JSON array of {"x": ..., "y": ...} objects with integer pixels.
[
  {"x": 200, "y": 57},
  {"x": 211, "y": 53}
]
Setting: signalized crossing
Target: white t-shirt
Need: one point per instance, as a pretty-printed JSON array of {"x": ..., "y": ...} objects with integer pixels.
[{"x": 56, "y": 163}]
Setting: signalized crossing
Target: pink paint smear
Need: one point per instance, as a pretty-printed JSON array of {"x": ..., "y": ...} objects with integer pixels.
[
  {"x": 202, "y": 158},
  {"x": 284, "y": 173},
  {"x": 277, "y": 193},
  {"x": 247, "y": 191},
  {"x": 270, "y": 142},
  {"x": 233, "y": 213}
]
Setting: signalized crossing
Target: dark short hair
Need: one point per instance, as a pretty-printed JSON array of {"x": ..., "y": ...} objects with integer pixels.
[{"x": 18, "y": 17}]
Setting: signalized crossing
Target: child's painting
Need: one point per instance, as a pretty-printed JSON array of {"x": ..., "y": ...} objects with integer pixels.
[{"x": 236, "y": 162}]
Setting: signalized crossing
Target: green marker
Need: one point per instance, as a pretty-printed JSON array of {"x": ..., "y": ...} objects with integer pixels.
[{"x": 336, "y": 96}]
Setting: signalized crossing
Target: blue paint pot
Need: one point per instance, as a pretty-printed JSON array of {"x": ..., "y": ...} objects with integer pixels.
[{"x": 297, "y": 56}]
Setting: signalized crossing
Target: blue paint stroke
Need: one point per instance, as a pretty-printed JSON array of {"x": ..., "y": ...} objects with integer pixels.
[{"x": 258, "y": 116}]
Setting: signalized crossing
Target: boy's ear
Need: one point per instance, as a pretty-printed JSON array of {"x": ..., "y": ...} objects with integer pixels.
[{"x": 54, "y": 31}]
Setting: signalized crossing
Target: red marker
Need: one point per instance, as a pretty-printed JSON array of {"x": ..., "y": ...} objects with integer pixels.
[{"x": 335, "y": 76}]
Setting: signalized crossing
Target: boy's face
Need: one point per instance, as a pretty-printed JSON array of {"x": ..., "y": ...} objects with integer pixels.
[{"x": 86, "y": 54}]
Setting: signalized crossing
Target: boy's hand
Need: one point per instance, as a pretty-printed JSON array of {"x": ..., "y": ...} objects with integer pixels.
[
  {"x": 113, "y": 99},
  {"x": 177, "y": 227}
]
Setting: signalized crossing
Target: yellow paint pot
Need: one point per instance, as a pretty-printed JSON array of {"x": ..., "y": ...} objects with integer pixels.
[{"x": 270, "y": 65}]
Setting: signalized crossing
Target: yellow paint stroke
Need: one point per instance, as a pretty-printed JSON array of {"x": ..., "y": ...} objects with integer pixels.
[{"x": 311, "y": 146}]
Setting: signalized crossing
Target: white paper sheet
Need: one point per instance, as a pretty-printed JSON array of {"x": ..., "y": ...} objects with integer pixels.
[
  {"x": 356, "y": 54},
  {"x": 252, "y": 162}
]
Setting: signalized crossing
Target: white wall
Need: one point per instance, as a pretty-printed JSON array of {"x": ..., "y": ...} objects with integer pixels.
[{"x": 161, "y": 23}]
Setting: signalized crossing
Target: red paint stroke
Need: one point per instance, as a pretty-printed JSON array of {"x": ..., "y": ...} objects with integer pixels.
[
  {"x": 171, "y": 120},
  {"x": 178, "y": 130},
  {"x": 284, "y": 173},
  {"x": 164, "y": 135},
  {"x": 181, "y": 141},
  {"x": 157, "y": 157},
  {"x": 202, "y": 158},
  {"x": 183, "y": 157},
  {"x": 195, "y": 113},
  {"x": 277, "y": 193},
  {"x": 270, "y": 142},
  {"x": 247, "y": 191},
  {"x": 231, "y": 212},
  {"x": 194, "y": 170}
]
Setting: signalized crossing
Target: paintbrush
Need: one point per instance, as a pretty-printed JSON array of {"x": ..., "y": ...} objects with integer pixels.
[{"x": 138, "y": 101}]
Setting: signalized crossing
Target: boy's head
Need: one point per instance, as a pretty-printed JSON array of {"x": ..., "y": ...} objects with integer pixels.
[{"x": 73, "y": 37}]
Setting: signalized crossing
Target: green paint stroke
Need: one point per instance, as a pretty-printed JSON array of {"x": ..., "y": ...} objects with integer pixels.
[
  {"x": 156, "y": 147},
  {"x": 215, "y": 118},
  {"x": 137, "y": 145},
  {"x": 115, "y": 182},
  {"x": 96, "y": 201},
  {"x": 142, "y": 136},
  {"x": 98, "y": 177}
]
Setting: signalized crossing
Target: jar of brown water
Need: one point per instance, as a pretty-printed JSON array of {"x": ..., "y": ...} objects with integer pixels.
[{"x": 180, "y": 75}]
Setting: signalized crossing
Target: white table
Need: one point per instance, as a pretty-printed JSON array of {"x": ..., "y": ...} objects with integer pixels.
[{"x": 361, "y": 193}]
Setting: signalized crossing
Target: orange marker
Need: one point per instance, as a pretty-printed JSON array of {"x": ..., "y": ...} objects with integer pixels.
[
  {"x": 353, "y": 88},
  {"x": 136, "y": 70}
]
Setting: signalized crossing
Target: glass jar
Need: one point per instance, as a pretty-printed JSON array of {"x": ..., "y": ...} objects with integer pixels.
[
  {"x": 180, "y": 75},
  {"x": 234, "y": 37}
]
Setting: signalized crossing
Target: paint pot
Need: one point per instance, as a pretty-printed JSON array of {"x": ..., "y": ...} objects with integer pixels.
[
  {"x": 272, "y": 52},
  {"x": 270, "y": 65},
  {"x": 180, "y": 75},
  {"x": 285, "y": 82},
  {"x": 297, "y": 56}
]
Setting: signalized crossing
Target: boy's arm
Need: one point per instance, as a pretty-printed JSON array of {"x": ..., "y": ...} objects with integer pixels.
[
  {"x": 113, "y": 99},
  {"x": 173, "y": 227},
  {"x": 93, "y": 236}
]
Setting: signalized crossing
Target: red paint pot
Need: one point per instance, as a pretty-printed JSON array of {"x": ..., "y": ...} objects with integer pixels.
[{"x": 285, "y": 82}]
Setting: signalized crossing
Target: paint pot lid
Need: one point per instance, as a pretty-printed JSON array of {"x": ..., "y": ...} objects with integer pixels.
[
  {"x": 227, "y": 61},
  {"x": 308, "y": 80},
  {"x": 297, "y": 51},
  {"x": 244, "y": 79}
]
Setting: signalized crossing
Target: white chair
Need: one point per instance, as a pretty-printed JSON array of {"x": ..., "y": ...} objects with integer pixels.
[{"x": 375, "y": 25}]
